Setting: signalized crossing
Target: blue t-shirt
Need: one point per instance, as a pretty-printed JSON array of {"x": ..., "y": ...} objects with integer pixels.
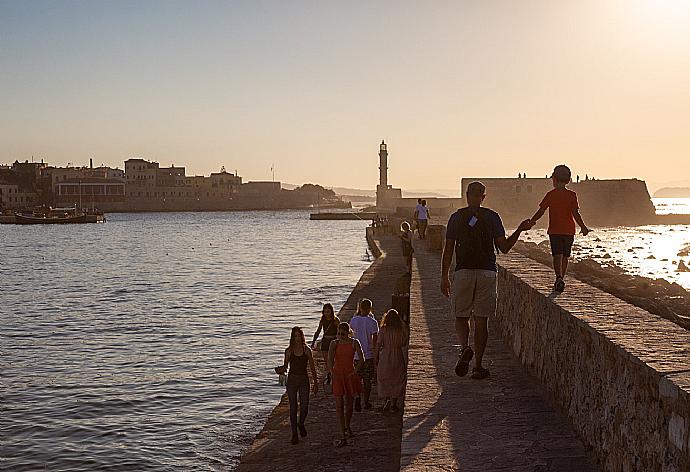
[{"x": 474, "y": 230}]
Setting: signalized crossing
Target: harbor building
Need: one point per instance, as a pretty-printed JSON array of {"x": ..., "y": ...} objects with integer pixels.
[
  {"x": 150, "y": 187},
  {"x": 93, "y": 187},
  {"x": 609, "y": 202},
  {"x": 20, "y": 185}
]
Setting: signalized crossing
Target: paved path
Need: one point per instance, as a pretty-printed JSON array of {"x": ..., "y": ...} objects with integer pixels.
[
  {"x": 376, "y": 445},
  {"x": 503, "y": 423}
]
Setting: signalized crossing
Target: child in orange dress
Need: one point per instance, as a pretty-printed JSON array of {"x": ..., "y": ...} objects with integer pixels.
[{"x": 346, "y": 383}]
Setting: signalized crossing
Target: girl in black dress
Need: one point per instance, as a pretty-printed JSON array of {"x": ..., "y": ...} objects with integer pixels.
[
  {"x": 297, "y": 356},
  {"x": 329, "y": 323}
]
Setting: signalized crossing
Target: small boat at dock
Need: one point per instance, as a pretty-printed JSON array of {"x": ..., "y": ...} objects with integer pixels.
[{"x": 48, "y": 216}]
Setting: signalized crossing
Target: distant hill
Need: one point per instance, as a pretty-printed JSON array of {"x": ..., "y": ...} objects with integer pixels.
[{"x": 673, "y": 192}]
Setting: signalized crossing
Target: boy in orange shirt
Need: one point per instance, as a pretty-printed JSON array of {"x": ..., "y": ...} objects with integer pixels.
[{"x": 563, "y": 213}]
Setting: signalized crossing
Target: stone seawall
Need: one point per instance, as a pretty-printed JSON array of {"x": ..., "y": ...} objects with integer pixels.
[{"x": 620, "y": 374}]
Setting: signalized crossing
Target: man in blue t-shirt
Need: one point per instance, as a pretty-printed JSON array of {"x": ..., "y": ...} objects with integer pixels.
[{"x": 473, "y": 235}]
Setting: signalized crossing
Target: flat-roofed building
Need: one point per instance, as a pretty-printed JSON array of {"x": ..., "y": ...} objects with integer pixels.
[{"x": 90, "y": 192}]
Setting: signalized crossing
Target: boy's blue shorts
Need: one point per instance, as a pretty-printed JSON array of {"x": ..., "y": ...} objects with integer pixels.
[{"x": 561, "y": 244}]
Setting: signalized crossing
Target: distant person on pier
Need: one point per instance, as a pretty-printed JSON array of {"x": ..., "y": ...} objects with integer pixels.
[
  {"x": 329, "y": 323},
  {"x": 415, "y": 226},
  {"x": 297, "y": 356},
  {"x": 366, "y": 330},
  {"x": 563, "y": 213},
  {"x": 421, "y": 216},
  {"x": 406, "y": 240},
  {"x": 472, "y": 235},
  {"x": 390, "y": 360},
  {"x": 346, "y": 382}
]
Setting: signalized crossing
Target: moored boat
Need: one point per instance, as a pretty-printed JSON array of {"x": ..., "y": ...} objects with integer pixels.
[{"x": 56, "y": 216}]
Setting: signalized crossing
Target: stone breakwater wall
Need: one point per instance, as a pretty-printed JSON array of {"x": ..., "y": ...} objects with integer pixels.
[{"x": 619, "y": 373}]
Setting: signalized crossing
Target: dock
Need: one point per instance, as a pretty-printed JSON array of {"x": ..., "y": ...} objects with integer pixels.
[{"x": 344, "y": 215}]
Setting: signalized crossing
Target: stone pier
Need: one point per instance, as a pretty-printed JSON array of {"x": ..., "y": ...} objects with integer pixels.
[{"x": 503, "y": 423}]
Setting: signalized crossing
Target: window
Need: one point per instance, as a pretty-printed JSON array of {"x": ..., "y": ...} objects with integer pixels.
[
  {"x": 529, "y": 189},
  {"x": 518, "y": 189}
]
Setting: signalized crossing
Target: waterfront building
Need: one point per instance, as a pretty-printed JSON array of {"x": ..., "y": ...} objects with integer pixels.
[
  {"x": 19, "y": 183},
  {"x": 100, "y": 187},
  {"x": 150, "y": 187},
  {"x": 260, "y": 188},
  {"x": 14, "y": 197}
]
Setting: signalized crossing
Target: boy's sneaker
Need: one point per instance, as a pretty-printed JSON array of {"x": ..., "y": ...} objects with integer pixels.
[
  {"x": 358, "y": 404},
  {"x": 559, "y": 286}
]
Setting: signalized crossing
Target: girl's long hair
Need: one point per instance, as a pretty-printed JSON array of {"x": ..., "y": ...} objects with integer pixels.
[
  {"x": 343, "y": 325},
  {"x": 328, "y": 306},
  {"x": 393, "y": 321},
  {"x": 293, "y": 343}
]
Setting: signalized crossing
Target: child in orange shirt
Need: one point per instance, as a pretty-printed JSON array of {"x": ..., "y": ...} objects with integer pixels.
[{"x": 563, "y": 213}]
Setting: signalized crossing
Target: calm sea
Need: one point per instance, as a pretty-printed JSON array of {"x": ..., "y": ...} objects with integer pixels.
[{"x": 147, "y": 343}]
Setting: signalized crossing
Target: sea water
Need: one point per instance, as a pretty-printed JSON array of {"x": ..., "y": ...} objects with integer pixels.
[{"x": 148, "y": 342}]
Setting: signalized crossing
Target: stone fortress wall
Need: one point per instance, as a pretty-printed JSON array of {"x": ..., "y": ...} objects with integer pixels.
[
  {"x": 620, "y": 374},
  {"x": 602, "y": 202}
]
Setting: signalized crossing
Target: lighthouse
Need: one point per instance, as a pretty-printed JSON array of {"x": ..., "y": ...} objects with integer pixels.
[
  {"x": 387, "y": 197},
  {"x": 383, "y": 165}
]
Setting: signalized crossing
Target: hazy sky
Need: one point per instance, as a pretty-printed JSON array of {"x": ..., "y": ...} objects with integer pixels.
[{"x": 455, "y": 88}]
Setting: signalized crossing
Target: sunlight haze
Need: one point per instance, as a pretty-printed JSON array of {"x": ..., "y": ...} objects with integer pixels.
[{"x": 455, "y": 88}]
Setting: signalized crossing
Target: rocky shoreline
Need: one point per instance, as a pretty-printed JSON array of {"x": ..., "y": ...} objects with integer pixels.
[{"x": 658, "y": 296}]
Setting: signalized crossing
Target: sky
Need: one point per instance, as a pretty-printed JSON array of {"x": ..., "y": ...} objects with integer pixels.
[{"x": 458, "y": 88}]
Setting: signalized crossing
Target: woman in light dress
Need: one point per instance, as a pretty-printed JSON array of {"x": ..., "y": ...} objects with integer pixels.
[{"x": 391, "y": 361}]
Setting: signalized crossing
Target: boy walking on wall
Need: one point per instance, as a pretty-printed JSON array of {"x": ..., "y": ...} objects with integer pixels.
[{"x": 563, "y": 213}]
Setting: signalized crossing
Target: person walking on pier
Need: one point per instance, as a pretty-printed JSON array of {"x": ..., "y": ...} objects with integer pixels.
[
  {"x": 421, "y": 215},
  {"x": 563, "y": 213},
  {"x": 329, "y": 323},
  {"x": 406, "y": 240},
  {"x": 346, "y": 382},
  {"x": 297, "y": 356},
  {"x": 473, "y": 234},
  {"x": 366, "y": 330},
  {"x": 390, "y": 360}
]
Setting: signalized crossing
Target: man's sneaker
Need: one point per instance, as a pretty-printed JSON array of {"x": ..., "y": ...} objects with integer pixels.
[
  {"x": 358, "y": 404},
  {"x": 480, "y": 373},
  {"x": 463, "y": 364},
  {"x": 559, "y": 286}
]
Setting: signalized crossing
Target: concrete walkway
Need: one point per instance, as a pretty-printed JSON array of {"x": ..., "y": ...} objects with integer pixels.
[
  {"x": 503, "y": 423},
  {"x": 376, "y": 445}
]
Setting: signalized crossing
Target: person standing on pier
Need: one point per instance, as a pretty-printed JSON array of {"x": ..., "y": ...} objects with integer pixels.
[
  {"x": 297, "y": 356},
  {"x": 366, "y": 330},
  {"x": 473, "y": 234},
  {"x": 406, "y": 240},
  {"x": 421, "y": 216},
  {"x": 346, "y": 382}
]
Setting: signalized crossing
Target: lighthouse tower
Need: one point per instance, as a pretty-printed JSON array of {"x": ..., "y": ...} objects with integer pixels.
[
  {"x": 387, "y": 197},
  {"x": 383, "y": 165}
]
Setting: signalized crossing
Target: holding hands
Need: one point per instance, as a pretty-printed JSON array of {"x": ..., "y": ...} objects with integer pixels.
[{"x": 526, "y": 225}]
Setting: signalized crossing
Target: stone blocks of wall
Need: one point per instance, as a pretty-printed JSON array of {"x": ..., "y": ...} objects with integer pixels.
[
  {"x": 436, "y": 237},
  {"x": 620, "y": 374}
]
